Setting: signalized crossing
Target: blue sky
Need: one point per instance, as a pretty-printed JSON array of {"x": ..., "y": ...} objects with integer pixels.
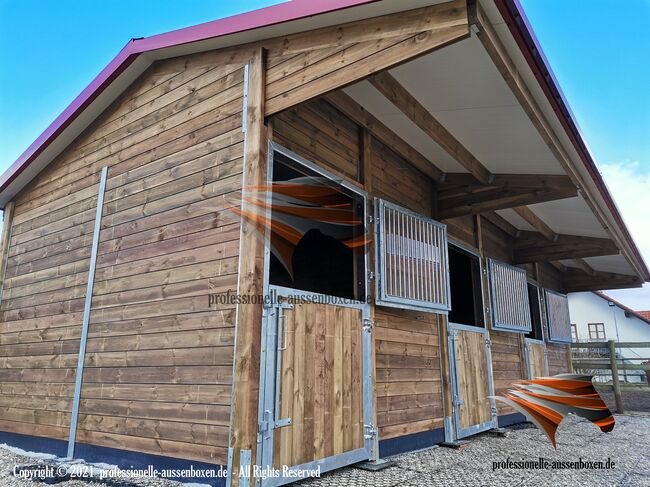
[{"x": 599, "y": 51}]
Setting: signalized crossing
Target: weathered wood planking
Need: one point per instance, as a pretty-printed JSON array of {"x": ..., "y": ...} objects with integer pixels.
[
  {"x": 322, "y": 135},
  {"x": 472, "y": 378},
  {"x": 559, "y": 356},
  {"x": 158, "y": 367},
  {"x": 409, "y": 392},
  {"x": 321, "y": 384},
  {"x": 536, "y": 360},
  {"x": 342, "y": 55}
]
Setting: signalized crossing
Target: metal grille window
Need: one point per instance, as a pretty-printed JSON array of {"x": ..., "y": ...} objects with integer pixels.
[
  {"x": 412, "y": 260},
  {"x": 557, "y": 312},
  {"x": 509, "y": 295}
]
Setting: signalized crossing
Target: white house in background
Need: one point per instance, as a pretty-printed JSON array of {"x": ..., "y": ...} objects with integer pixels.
[{"x": 597, "y": 317}]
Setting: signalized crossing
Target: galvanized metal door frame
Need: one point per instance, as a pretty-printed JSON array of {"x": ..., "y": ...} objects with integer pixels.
[
  {"x": 529, "y": 368},
  {"x": 269, "y": 390},
  {"x": 458, "y": 432},
  {"x": 269, "y": 341}
]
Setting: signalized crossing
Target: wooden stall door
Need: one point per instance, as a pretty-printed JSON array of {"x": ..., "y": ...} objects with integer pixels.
[
  {"x": 535, "y": 358},
  {"x": 319, "y": 406},
  {"x": 472, "y": 379}
]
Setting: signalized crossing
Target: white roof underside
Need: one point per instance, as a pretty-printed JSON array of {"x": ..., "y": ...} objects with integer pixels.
[{"x": 461, "y": 87}]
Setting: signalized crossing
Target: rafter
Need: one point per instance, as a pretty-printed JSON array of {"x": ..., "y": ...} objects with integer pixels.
[
  {"x": 420, "y": 116},
  {"x": 500, "y": 222},
  {"x": 576, "y": 280},
  {"x": 462, "y": 195},
  {"x": 558, "y": 265},
  {"x": 586, "y": 268},
  {"x": 362, "y": 117},
  {"x": 533, "y": 247},
  {"x": 536, "y": 222}
]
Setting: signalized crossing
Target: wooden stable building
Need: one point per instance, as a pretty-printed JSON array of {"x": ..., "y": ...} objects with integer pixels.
[{"x": 440, "y": 128}]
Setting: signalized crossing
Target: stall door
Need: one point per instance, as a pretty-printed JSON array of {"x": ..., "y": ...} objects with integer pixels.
[
  {"x": 317, "y": 387},
  {"x": 535, "y": 358},
  {"x": 471, "y": 371}
]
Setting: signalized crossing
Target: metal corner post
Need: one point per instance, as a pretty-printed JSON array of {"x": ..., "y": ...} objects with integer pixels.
[{"x": 86, "y": 315}]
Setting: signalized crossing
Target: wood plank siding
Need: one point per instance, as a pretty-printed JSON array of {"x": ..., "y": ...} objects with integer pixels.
[{"x": 158, "y": 364}]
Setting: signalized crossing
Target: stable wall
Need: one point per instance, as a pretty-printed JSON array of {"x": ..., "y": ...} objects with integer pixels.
[
  {"x": 407, "y": 354},
  {"x": 158, "y": 364}
]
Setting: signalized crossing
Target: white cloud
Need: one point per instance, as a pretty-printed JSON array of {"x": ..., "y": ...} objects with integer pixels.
[{"x": 629, "y": 184}]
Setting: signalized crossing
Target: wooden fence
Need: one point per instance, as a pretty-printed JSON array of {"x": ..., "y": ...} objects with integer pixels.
[{"x": 611, "y": 363}]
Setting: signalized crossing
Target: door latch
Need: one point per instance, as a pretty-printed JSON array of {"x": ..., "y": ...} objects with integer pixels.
[
  {"x": 368, "y": 324},
  {"x": 370, "y": 431}
]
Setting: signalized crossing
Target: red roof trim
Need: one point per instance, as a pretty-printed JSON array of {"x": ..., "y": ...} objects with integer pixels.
[{"x": 623, "y": 307}]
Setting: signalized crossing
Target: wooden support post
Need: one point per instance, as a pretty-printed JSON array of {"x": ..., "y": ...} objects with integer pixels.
[
  {"x": 611, "y": 344},
  {"x": 245, "y": 399},
  {"x": 8, "y": 217},
  {"x": 445, "y": 373},
  {"x": 365, "y": 140}
]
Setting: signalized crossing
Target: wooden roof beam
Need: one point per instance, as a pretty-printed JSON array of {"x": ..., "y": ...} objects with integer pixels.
[
  {"x": 536, "y": 222},
  {"x": 533, "y": 247},
  {"x": 558, "y": 265},
  {"x": 355, "y": 112},
  {"x": 420, "y": 116},
  {"x": 586, "y": 268},
  {"x": 461, "y": 194},
  {"x": 575, "y": 280},
  {"x": 501, "y": 223}
]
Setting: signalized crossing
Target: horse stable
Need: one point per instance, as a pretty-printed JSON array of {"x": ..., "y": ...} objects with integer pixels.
[{"x": 308, "y": 236}]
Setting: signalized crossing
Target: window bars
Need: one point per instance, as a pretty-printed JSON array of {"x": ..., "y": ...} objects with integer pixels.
[
  {"x": 557, "y": 313},
  {"x": 412, "y": 260},
  {"x": 509, "y": 296}
]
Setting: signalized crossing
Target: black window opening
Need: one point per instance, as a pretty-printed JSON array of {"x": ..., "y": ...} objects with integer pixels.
[
  {"x": 465, "y": 287},
  {"x": 317, "y": 232},
  {"x": 535, "y": 313}
]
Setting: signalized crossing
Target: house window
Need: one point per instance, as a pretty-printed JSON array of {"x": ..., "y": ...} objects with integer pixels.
[
  {"x": 317, "y": 231},
  {"x": 574, "y": 332},
  {"x": 557, "y": 314},
  {"x": 509, "y": 296},
  {"x": 465, "y": 287},
  {"x": 596, "y": 331},
  {"x": 535, "y": 313},
  {"x": 411, "y": 259}
]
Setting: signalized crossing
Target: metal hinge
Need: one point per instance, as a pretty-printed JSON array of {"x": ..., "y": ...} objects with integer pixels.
[
  {"x": 487, "y": 342},
  {"x": 370, "y": 431},
  {"x": 371, "y": 275},
  {"x": 370, "y": 219},
  {"x": 458, "y": 402},
  {"x": 368, "y": 324}
]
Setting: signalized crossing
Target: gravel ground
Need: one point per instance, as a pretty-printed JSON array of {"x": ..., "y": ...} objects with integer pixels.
[{"x": 628, "y": 446}]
